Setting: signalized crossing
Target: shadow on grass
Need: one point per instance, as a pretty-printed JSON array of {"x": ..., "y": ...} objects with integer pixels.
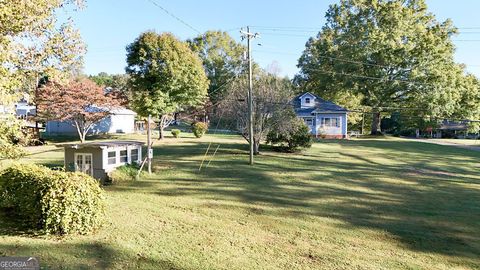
[
  {"x": 427, "y": 207},
  {"x": 92, "y": 255}
]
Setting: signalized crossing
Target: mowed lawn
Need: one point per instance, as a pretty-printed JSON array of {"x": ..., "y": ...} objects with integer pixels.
[{"x": 350, "y": 204}]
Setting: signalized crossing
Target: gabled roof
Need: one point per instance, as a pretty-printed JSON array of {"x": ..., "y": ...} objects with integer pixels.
[
  {"x": 320, "y": 105},
  {"x": 307, "y": 93}
]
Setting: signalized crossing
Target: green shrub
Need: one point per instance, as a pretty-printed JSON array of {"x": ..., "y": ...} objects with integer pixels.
[
  {"x": 291, "y": 136},
  {"x": 54, "y": 201},
  {"x": 124, "y": 173},
  {"x": 199, "y": 128},
  {"x": 176, "y": 133}
]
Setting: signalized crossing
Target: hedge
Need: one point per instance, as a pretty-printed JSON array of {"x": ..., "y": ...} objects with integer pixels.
[{"x": 55, "y": 202}]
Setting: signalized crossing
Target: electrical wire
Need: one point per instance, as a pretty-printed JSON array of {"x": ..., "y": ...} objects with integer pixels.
[{"x": 174, "y": 16}]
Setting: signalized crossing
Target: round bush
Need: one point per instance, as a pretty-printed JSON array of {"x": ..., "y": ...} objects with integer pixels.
[
  {"x": 199, "y": 128},
  {"x": 54, "y": 201},
  {"x": 176, "y": 133},
  {"x": 290, "y": 137}
]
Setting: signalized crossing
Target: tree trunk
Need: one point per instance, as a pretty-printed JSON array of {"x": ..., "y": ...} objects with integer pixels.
[
  {"x": 256, "y": 147},
  {"x": 161, "y": 135},
  {"x": 82, "y": 137},
  {"x": 376, "y": 121}
]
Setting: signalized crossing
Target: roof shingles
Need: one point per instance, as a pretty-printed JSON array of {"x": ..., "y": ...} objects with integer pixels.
[{"x": 320, "y": 106}]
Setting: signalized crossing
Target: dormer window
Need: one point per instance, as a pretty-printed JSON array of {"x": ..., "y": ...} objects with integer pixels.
[{"x": 307, "y": 100}]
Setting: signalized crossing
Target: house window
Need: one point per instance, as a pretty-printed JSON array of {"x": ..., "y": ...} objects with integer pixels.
[
  {"x": 112, "y": 157},
  {"x": 123, "y": 156},
  {"x": 134, "y": 155},
  {"x": 308, "y": 121},
  {"x": 307, "y": 100},
  {"x": 331, "y": 122}
]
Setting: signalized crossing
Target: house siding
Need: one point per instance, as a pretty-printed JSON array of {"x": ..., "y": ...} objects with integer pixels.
[{"x": 331, "y": 132}]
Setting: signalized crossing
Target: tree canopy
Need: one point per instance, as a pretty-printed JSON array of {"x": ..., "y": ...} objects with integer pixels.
[
  {"x": 272, "y": 96},
  {"x": 80, "y": 102},
  {"x": 165, "y": 75},
  {"x": 384, "y": 54},
  {"x": 33, "y": 45},
  {"x": 222, "y": 59}
]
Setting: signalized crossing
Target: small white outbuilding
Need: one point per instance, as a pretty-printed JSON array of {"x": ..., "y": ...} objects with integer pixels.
[
  {"x": 121, "y": 120},
  {"x": 99, "y": 158}
]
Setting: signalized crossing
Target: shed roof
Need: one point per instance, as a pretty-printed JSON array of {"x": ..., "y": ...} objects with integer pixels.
[{"x": 102, "y": 144}]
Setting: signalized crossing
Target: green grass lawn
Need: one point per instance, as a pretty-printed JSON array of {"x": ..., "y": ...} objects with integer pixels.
[{"x": 356, "y": 204}]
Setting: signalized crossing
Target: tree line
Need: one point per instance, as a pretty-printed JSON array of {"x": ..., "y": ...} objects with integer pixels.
[{"x": 369, "y": 55}]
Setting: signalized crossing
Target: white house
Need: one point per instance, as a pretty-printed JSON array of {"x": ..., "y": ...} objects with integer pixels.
[
  {"x": 324, "y": 118},
  {"x": 23, "y": 110},
  {"x": 120, "y": 120}
]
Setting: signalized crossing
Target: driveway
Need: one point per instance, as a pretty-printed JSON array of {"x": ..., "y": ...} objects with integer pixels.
[{"x": 469, "y": 147}]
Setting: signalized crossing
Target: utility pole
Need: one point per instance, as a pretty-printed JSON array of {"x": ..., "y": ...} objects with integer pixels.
[
  {"x": 149, "y": 146},
  {"x": 249, "y": 36}
]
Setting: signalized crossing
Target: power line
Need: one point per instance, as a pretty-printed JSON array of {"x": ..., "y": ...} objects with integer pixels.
[
  {"x": 174, "y": 16},
  {"x": 343, "y": 59},
  {"x": 332, "y": 58},
  {"x": 367, "y": 77}
]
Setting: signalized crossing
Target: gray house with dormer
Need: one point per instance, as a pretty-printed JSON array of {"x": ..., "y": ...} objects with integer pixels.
[{"x": 324, "y": 118}]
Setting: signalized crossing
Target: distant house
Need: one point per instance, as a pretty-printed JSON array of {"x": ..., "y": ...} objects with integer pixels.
[
  {"x": 452, "y": 129},
  {"x": 99, "y": 158},
  {"x": 121, "y": 120},
  {"x": 23, "y": 110},
  {"x": 324, "y": 118}
]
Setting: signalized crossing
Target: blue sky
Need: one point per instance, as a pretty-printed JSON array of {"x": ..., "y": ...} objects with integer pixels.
[{"x": 107, "y": 26}]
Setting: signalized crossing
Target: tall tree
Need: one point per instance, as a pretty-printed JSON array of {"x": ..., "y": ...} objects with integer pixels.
[
  {"x": 165, "y": 76},
  {"x": 80, "y": 102},
  {"x": 272, "y": 95},
  {"x": 222, "y": 59},
  {"x": 385, "y": 53},
  {"x": 33, "y": 44}
]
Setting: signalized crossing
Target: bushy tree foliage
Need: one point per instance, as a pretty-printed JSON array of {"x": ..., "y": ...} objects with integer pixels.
[
  {"x": 272, "y": 95},
  {"x": 384, "y": 54},
  {"x": 288, "y": 132},
  {"x": 221, "y": 57},
  {"x": 165, "y": 76},
  {"x": 80, "y": 102},
  {"x": 11, "y": 136},
  {"x": 33, "y": 44},
  {"x": 115, "y": 85}
]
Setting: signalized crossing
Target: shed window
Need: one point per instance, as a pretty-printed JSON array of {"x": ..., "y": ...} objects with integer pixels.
[
  {"x": 112, "y": 157},
  {"x": 134, "y": 155},
  {"x": 307, "y": 100}
]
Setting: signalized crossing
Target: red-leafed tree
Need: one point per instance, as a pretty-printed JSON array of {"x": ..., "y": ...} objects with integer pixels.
[{"x": 80, "y": 102}]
